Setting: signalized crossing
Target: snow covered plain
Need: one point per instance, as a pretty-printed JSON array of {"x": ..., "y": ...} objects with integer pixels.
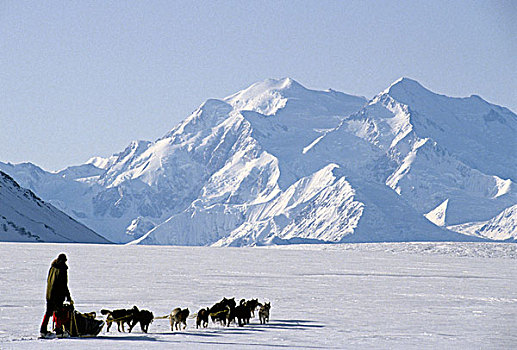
[{"x": 390, "y": 295}]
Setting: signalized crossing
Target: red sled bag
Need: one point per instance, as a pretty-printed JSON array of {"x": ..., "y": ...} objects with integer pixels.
[{"x": 62, "y": 317}]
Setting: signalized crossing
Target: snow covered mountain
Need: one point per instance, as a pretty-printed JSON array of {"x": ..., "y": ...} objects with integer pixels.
[
  {"x": 454, "y": 155},
  {"x": 26, "y": 218},
  {"x": 278, "y": 163}
]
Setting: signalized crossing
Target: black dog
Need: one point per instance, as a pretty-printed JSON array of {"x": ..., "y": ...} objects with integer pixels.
[
  {"x": 245, "y": 310},
  {"x": 224, "y": 307},
  {"x": 202, "y": 318},
  {"x": 120, "y": 316},
  {"x": 253, "y": 304},
  {"x": 243, "y": 313},
  {"x": 145, "y": 318}
]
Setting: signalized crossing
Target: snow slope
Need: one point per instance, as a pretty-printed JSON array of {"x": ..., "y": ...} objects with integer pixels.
[
  {"x": 279, "y": 163},
  {"x": 26, "y": 218},
  {"x": 344, "y": 296}
]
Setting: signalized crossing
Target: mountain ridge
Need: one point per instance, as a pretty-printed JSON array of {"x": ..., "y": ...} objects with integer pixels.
[{"x": 24, "y": 217}]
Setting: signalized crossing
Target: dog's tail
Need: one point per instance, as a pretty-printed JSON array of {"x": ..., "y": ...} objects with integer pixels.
[{"x": 105, "y": 312}]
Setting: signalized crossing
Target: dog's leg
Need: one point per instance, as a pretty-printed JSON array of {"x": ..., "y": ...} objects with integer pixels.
[{"x": 131, "y": 325}]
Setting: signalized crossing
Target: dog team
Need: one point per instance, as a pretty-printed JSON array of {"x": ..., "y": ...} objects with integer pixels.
[{"x": 224, "y": 312}]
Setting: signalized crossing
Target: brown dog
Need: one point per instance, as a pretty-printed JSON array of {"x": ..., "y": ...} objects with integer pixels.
[
  {"x": 177, "y": 317},
  {"x": 264, "y": 313}
]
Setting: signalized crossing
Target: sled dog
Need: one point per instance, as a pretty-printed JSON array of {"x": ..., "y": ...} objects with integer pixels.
[
  {"x": 202, "y": 318},
  {"x": 177, "y": 317},
  {"x": 145, "y": 317},
  {"x": 120, "y": 316},
  {"x": 264, "y": 313}
]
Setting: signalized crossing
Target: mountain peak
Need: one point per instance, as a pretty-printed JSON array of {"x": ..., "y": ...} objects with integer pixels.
[
  {"x": 289, "y": 83},
  {"x": 266, "y": 86},
  {"x": 273, "y": 95},
  {"x": 278, "y": 84},
  {"x": 267, "y": 96},
  {"x": 406, "y": 91},
  {"x": 405, "y": 85},
  {"x": 405, "y": 81}
]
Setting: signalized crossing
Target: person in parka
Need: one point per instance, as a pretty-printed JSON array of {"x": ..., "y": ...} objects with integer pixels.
[{"x": 57, "y": 289}]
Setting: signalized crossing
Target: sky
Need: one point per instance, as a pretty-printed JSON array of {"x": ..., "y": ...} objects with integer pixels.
[{"x": 84, "y": 78}]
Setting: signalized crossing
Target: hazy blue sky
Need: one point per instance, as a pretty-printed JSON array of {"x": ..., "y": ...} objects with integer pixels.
[{"x": 84, "y": 78}]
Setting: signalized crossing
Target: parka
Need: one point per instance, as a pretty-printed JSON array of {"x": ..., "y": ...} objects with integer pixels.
[{"x": 57, "y": 283}]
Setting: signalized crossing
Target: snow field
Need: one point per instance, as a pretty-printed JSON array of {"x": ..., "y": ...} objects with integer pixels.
[{"x": 396, "y": 296}]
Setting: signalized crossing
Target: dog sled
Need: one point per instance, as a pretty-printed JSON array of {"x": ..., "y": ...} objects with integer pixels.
[{"x": 69, "y": 322}]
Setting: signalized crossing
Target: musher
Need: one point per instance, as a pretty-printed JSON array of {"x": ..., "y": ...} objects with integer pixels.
[{"x": 57, "y": 290}]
